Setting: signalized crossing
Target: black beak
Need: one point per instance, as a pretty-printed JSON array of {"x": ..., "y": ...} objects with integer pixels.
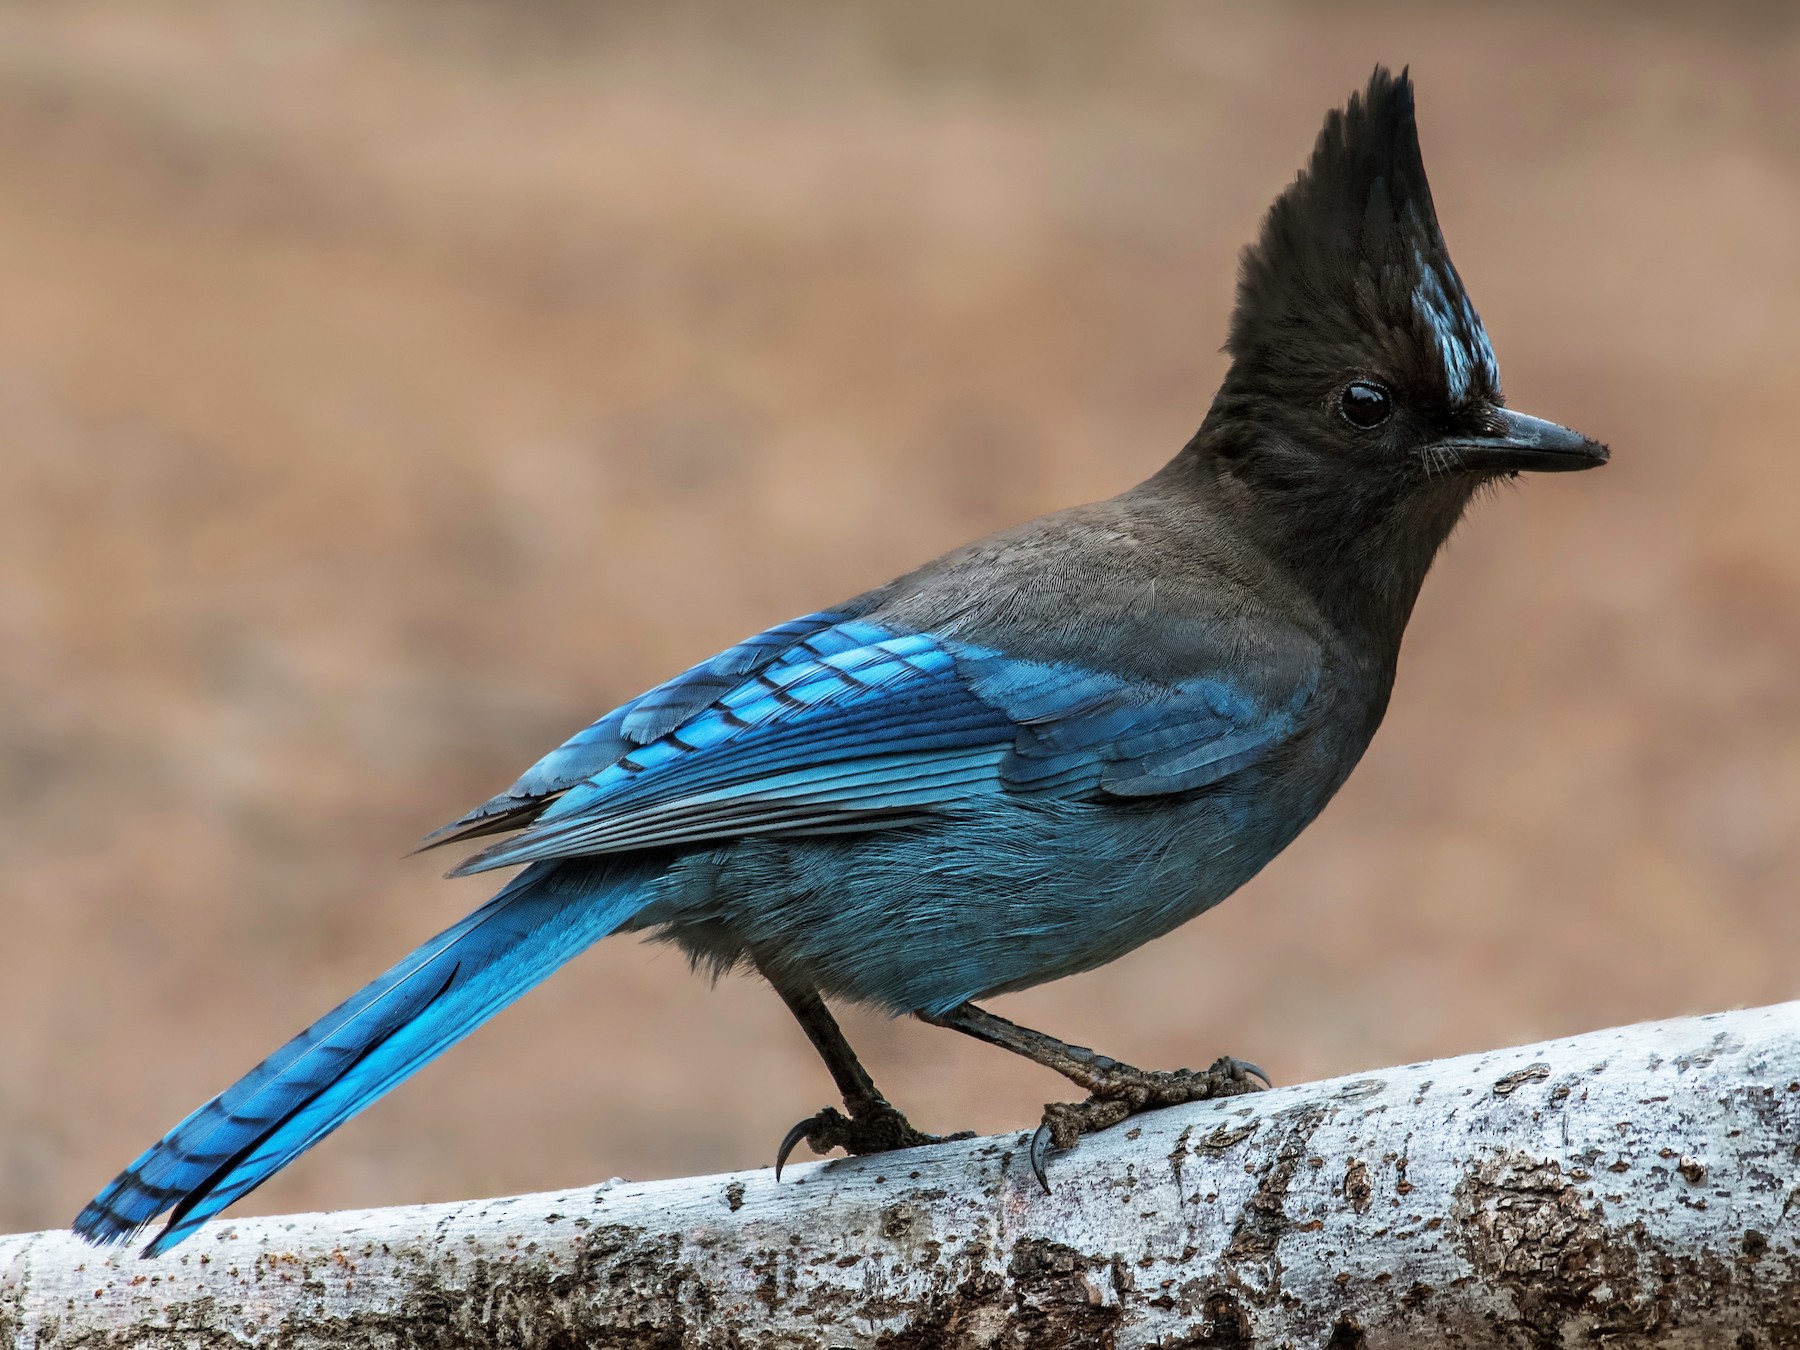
[{"x": 1515, "y": 443}]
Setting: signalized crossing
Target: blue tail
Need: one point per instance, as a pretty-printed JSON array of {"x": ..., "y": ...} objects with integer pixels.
[{"x": 367, "y": 1045}]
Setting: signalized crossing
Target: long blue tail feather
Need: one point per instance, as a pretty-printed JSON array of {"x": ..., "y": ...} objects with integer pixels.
[{"x": 363, "y": 1048}]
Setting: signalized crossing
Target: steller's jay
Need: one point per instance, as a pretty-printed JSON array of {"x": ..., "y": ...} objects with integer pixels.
[{"x": 1019, "y": 761}]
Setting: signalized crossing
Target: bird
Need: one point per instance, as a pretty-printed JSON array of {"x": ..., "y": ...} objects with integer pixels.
[{"x": 1015, "y": 763}]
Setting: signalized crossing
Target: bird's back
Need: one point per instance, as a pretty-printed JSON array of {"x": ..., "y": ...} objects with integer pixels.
[{"x": 1157, "y": 584}]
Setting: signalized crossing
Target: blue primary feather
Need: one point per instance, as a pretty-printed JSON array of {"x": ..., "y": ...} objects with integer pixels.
[{"x": 357, "y": 1052}]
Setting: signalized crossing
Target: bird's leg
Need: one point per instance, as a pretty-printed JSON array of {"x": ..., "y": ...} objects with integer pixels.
[
  {"x": 873, "y": 1124},
  {"x": 1114, "y": 1090}
]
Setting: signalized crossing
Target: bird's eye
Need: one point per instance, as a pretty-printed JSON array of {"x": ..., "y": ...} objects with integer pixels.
[{"x": 1365, "y": 404}]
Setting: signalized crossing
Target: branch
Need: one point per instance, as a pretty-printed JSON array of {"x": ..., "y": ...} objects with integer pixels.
[{"x": 1629, "y": 1186}]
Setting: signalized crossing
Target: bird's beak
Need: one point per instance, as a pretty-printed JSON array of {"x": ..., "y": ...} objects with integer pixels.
[{"x": 1516, "y": 443}]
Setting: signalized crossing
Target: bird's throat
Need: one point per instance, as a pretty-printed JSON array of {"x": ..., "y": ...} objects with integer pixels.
[{"x": 1359, "y": 548}]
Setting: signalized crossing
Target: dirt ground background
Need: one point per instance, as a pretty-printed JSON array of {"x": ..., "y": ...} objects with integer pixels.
[{"x": 387, "y": 389}]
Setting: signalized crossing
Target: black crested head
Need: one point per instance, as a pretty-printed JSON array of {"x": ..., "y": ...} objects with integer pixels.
[
  {"x": 1362, "y": 408},
  {"x": 1351, "y": 269}
]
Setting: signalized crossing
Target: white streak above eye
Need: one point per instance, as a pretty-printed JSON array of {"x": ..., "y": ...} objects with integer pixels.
[{"x": 1461, "y": 339}]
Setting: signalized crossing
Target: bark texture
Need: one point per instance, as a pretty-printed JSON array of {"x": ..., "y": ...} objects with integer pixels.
[{"x": 1627, "y": 1187}]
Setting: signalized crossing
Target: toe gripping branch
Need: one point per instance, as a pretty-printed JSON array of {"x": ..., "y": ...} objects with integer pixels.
[
  {"x": 1115, "y": 1091},
  {"x": 1122, "y": 1091},
  {"x": 872, "y": 1125},
  {"x": 875, "y": 1128}
]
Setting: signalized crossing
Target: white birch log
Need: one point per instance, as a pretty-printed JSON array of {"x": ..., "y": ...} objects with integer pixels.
[{"x": 1628, "y": 1187}]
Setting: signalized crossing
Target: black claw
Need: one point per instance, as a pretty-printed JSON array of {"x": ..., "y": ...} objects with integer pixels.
[
  {"x": 790, "y": 1141},
  {"x": 1255, "y": 1071},
  {"x": 1040, "y": 1146}
]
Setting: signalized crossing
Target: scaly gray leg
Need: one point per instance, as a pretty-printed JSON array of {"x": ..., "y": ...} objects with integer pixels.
[
  {"x": 873, "y": 1125},
  {"x": 1114, "y": 1090}
]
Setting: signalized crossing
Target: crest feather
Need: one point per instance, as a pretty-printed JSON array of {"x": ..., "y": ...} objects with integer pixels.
[{"x": 1351, "y": 252}]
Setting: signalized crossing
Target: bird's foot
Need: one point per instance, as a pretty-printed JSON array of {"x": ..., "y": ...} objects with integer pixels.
[
  {"x": 1124, "y": 1091},
  {"x": 875, "y": 1127}
]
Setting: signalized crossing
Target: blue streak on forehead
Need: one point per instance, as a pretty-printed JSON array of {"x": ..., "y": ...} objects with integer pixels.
[{"x": 1462, "y": 341}]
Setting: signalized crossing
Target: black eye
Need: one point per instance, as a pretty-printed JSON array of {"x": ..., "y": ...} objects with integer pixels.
[{"x": 1364, "y": 404}]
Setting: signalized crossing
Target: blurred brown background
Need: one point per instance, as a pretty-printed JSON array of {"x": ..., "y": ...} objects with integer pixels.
[{"x": 388, "y": 389}]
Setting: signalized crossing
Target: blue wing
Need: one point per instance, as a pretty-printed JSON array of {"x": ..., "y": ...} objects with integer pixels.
[{"x": 837, "y": 725}]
